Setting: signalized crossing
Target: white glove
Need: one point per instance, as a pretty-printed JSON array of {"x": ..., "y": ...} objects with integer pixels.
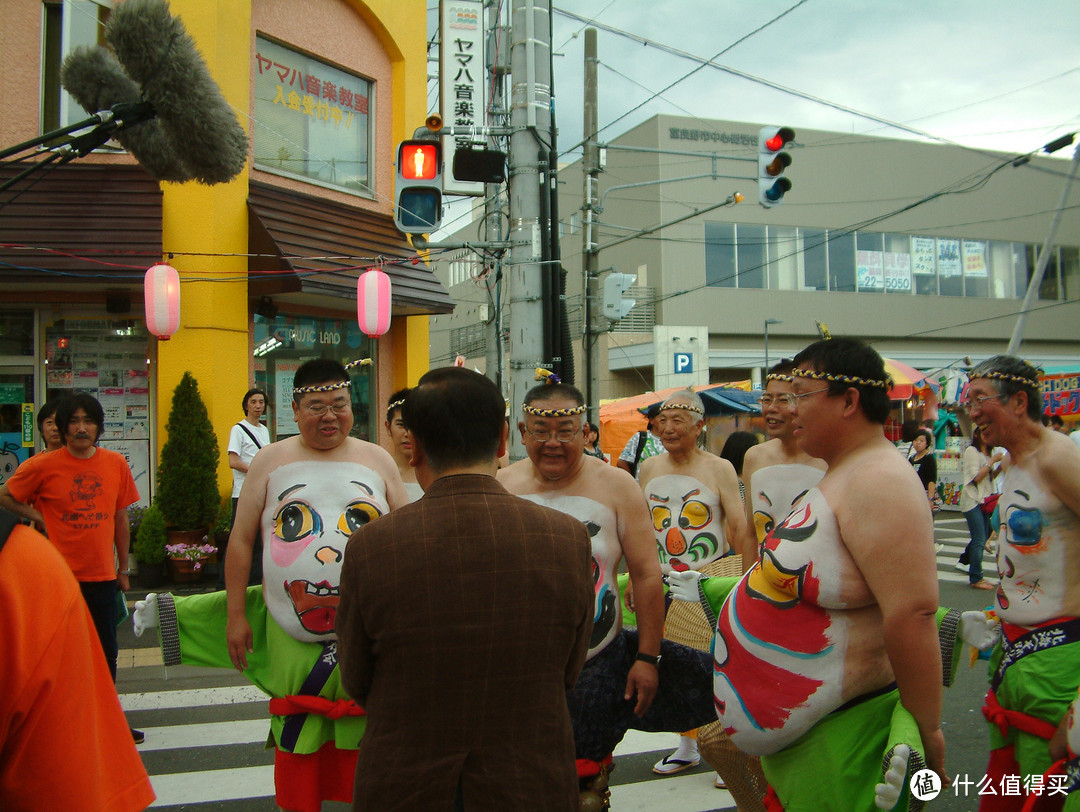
[
  {"x": 886, "y": 795},
  {"x": 683, "y": 586},
  {"x": 977, "y": 630},
  {"x": 145, "y": 615}
]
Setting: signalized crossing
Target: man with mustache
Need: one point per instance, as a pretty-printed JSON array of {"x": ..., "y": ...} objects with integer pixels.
[
  {"x": 307, "y": 493},
  {"x": 80, "y": 494}
]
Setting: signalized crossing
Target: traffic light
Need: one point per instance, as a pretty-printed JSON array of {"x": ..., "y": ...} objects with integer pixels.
[
  {"x": 615, "y": 285},
  {"x": 772, "y": 163},
  {"x": 418, "y": 207}
]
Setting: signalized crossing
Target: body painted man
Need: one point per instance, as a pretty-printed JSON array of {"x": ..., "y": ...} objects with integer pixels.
[
  {"x": 1035, "y": 669},
  {"x": 697, "y": 515},
  {"x": 308, "y": 493},
  {"x": 629, "y": 679},
  {"x": 827, "y": 658}
]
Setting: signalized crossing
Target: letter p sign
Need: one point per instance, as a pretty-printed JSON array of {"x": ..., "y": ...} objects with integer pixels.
[{"x": 684, "y": 362}]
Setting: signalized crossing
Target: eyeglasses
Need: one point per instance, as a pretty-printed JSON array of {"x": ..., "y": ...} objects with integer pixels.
[
  {"x": 785, "y": 399},
  {"x": 802, "y": 395},
  {"x": 980, "y": 400},
  {"x": 562, "y": 435},
  {"x": 320, "y": 409}
]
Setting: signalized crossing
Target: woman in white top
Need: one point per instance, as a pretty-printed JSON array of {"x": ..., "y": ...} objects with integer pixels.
[{"x": 979, "y": 471}]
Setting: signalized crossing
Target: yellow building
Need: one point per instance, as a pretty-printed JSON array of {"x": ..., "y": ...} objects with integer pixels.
[{"x": 268, "y": 262}]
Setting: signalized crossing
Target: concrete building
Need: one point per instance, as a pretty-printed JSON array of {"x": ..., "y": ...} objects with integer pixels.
[
  {"x": 924, "y": 249},
  {"x": 268, "y": 262}
]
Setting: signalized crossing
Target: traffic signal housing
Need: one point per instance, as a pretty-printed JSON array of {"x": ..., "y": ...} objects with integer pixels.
[
  {"x": 615, "y": 306},
  {"x": 418, "y": 190},
  {"x": 773, "y": 162}
]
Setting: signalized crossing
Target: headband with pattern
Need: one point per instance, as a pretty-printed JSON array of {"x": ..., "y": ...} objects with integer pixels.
[
  {"x": 776, "y": 376},
  {"x": 394, "y": 405},
  {"x": 848, "y": 379},
  {"x": 332, "y": 387},
  {"x": 688, "y": 406},
  {"x": 1003, "y": 376}
]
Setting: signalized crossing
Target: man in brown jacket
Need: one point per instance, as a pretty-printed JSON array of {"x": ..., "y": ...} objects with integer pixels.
[{"x": 464, "y": 619}]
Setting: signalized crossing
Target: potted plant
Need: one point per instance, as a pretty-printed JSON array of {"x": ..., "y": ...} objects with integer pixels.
[
  {"x": 187, "y": 561},
  {"x": 223, "y": 523},
  {"x": 187, "y": 492},
  {"x": 148, "y": 548}
]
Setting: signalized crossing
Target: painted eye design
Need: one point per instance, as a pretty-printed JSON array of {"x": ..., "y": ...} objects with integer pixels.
[
  {"x": 295, "y": 521},
  {"x": 694, "y": 514},
  {"x": 661, "y": 518},
  {"x": 356, "y": 515},
  {"x": 763, "y": 523},
  {"x": 1025, "y": 527}
]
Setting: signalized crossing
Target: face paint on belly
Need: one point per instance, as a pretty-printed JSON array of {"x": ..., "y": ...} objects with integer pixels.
[{"x": 315, "y": 605}]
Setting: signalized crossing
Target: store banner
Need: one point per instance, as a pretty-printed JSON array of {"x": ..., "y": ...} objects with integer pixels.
[
  {"x": 922, "y": 256},
  {"x": 897, "y": 271},
  {"x": 462, "y": 70},
  {"x": 1061, "y": 394},
  {"x": 975, "y": 259},
  {"x": 870, "y": 266}
]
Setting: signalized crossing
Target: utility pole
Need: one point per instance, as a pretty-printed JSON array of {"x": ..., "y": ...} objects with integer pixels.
[
  {"x": 590, "y": 163},
  {"x": 530, "y": 124},
  {"x": 493, "y": 207},
  {"x": 1044, "y": 258}
]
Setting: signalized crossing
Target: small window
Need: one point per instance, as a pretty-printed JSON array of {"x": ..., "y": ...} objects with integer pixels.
[
  {"x": 66, "y": 26},
  {"x": 720, "y": 255}
]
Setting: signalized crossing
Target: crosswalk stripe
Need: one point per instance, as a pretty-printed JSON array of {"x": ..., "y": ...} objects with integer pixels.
[
  {"x": 205, "y": 734},
  {"x": 191, "y": 698},
  {"x": 205, "y": 786}
]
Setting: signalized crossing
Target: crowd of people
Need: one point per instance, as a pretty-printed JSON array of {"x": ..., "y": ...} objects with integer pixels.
[{"x": 438, "y": 630}]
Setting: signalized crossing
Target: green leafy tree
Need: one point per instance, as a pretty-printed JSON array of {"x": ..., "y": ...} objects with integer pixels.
[
  {"x": 187, "y": 493},
  {"x": 150, "y": 539}
]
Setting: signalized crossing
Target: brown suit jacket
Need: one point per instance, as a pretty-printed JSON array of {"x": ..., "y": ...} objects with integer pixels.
[{"x": 464, "y": 619}]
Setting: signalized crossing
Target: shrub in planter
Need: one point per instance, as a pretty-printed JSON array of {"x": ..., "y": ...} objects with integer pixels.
[
  {"x": 223, "y": 523},
  {"x": 150, "y": 540},
  {"x": 187, "y": 491}
]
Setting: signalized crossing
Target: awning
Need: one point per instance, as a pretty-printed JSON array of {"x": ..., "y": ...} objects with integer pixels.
[
  {"x": 83, "y": 223},
  {"x": 320, "y": 247}
]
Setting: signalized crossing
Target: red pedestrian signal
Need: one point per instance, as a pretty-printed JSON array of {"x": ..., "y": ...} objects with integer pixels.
[{"x": 418, "y": 189}]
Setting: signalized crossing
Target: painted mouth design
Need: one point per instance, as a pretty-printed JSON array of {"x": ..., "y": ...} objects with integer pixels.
[{"x": 315, "y": 604}]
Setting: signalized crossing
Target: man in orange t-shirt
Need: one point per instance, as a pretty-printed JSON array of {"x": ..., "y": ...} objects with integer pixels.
[
  {"x": 64, "y": 743},
  {"x": 80, "y": 494}
]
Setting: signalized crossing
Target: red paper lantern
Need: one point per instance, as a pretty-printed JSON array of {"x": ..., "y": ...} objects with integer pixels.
[
  {"x": 161, "y": 295},
  {"x": 373, "y": 303}
]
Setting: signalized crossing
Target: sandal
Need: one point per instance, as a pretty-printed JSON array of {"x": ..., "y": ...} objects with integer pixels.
[
  {"x": 719, "y": 782},
  {"x": 671, "y": 766},
  {"x": 983, "y": 584}
]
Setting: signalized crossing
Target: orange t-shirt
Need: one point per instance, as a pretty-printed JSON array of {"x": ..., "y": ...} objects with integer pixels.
[
  {"x": 64, "y": 741},
  {"x": 79, "y": 500}
]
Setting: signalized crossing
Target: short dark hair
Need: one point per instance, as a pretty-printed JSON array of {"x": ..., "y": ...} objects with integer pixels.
[
  {"x": 47, "y": 410},
  {"x": 456, "y": 417},
  {"x": 1019, "y": 376},
  {"x": 247, "y": 397},
  {"x": 847, "y": 357},
  {"x": 71, "y": 404},
  {"x": 1055, "y": 420},
  {"x": 554, "y": 391},
  {"x": 926, "y": 433},
  {"x": 653, "y": 411},
  {"x": 736, "y": 446},
  {"x": 317, "y": 371},
  {"x": 395, "y": 401}
]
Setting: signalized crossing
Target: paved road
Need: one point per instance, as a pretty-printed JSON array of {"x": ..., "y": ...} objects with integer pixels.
[{"x": 206, "y": 728}]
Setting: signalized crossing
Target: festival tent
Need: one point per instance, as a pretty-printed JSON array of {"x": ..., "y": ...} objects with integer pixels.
[
  {"x": 620, "y": 419},
  {"x": 906, "y": 380}
]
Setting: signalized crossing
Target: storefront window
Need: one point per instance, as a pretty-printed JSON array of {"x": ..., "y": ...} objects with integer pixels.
[
  {"x": 283, "y": 343},
  {"x": 720, "y": 255},
  {"x": 107, "y": 359}
]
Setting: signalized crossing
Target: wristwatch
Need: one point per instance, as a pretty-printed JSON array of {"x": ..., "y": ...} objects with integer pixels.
[{"x": 648, "y": 658}]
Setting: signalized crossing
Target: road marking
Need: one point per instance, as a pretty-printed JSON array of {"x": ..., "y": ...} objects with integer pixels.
[{"x": 192, "y": 698}]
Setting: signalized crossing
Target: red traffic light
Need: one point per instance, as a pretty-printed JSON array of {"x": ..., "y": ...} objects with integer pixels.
[
  {"x": 418, "y": 161},
  {"x": 777, "y": 140}
]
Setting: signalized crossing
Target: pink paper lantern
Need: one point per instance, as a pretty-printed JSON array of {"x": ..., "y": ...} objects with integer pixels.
[
  {"x": 373, "y": 303},
  {"x": 161, "y": 295}
]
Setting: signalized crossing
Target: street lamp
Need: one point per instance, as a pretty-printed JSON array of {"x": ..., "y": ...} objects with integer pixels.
[{"x": 767, "y": 323}]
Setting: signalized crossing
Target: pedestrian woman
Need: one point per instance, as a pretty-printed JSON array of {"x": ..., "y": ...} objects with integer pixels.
[
  {"x": 979, "y": 472},
  {"x": 592, "y": 442},
  {"x": 925, "y": 464}
]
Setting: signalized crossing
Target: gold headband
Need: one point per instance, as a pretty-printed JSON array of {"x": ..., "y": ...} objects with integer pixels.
[
  {"x": 527, "y": 409},
  {"x": 688, "y": 406},
  {"x": 394, "y": 405},
  {"x": 332, "y": 387},
  {"x": 775, "y": 376},
  {"x": 1002, "y": 376},
  {"x": 825, "y": 376}
]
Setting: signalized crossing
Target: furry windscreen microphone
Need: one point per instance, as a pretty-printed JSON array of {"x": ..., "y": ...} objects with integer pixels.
[
  {"x": 158, "y": 53},
  {"x": 97, "y": 82}
]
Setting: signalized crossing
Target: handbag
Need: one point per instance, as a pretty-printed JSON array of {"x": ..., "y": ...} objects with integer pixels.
[{"x": 989, "y": 504}]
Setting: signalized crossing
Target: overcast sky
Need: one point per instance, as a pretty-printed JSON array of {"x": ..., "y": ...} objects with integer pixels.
[{"x": 987, "y": 73}]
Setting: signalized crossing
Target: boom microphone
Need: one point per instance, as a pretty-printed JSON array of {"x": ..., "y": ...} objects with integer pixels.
[
  {"x": 97, "y": 82},
  {"x": 158, "y": 53}
]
